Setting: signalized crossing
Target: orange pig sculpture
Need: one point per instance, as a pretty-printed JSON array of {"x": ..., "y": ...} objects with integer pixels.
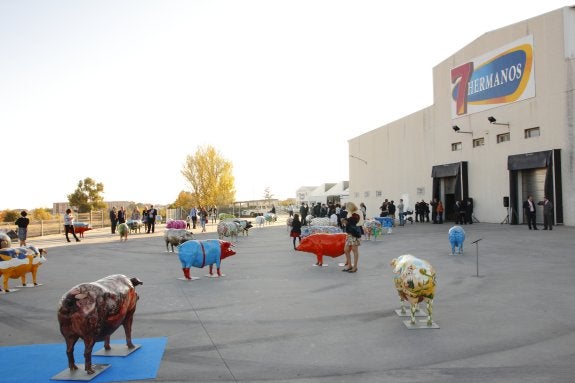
[{"x": 323, "y": 244}]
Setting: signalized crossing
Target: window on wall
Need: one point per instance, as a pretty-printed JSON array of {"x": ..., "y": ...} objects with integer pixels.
[
  {"x": 366, "y": 194},
  {"x": 478, "y": 142},
  {"x": 378, "y": 193},
  {"x": 456, "y": 146},
  {"x": 503, "y": 137},
  {"x": 532, "y": 132},
  {"x": 356, "y": 194}
]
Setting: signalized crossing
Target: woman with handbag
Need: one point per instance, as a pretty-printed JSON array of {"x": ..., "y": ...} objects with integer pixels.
[{"x": 352, "y": 241}]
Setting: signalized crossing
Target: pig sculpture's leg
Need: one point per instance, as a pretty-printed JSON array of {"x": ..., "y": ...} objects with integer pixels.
[
  {"x": 429, "y": 312},
  {"x": 107, "y": 343},
  {"x": 88, "y": 346},
  {"x": 412, "y": 312},
  {"x": 34, "y": 273},
  {"x": 211, "y": 270},
  {"x": 128, "y": 329},
  {"x": 70, "y": 342}
]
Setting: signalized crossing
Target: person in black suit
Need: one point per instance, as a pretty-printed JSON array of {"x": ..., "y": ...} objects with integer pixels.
[
  {"x": 529, "y": 207},
  {"x": 152, "y": 213}
]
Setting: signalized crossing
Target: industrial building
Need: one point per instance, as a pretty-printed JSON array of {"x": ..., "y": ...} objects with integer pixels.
[{"x": 501, "y": 128}]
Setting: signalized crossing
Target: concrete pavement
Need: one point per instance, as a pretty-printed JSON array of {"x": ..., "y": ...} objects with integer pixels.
[{"x": 276, "y": 318}]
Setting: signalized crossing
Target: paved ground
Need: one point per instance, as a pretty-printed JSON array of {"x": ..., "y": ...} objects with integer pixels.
[{"x": 276, "y": 318}]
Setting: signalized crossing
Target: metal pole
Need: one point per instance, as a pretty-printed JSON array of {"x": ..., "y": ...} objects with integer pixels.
[{"x": 477, "y": 256}]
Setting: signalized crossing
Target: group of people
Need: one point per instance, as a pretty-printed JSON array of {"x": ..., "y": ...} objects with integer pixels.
[
  {"x": 350, "y": 219},
  {"x": 531, "y": 213},
  {"x": 464, "y": 211},
  {"x": 148, "y": 217},
  {"x": 322, "y": 210},
  {"x": 203, "y": 214}
]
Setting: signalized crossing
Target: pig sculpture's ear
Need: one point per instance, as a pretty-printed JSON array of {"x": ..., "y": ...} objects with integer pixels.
[{"x": 136, "y": 282}]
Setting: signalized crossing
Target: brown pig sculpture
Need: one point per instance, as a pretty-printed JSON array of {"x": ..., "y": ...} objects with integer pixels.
[{"x": 93, "y": 311}]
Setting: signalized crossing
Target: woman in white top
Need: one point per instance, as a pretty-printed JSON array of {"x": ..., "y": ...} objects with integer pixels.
[{"x": 69, "y": 225}]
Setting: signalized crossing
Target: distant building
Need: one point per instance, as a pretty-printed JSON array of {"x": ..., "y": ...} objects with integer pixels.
[{"x": 324, "y": 193}]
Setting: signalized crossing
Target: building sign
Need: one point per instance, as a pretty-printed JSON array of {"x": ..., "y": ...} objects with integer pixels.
[{"x": 499, "y": 77}]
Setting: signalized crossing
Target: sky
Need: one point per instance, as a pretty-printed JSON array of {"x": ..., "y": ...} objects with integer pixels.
[{"x": 122, "y": 91}]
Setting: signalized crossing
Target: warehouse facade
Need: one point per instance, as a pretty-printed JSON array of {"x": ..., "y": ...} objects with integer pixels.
[{"x": 501, "y": 128}]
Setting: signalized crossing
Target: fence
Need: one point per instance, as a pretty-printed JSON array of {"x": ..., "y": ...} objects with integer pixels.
[{"x": 38, "y": 228}]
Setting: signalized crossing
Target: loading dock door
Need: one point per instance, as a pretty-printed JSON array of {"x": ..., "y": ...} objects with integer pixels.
[{"x": 533, "y": 183}]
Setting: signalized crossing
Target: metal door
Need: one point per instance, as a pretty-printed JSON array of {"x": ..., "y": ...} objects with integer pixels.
[{"x": 533, "y": 183}]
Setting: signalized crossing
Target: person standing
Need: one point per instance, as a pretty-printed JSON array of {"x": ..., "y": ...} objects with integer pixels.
[
  {"x": 135, "y": 214},
  {"x": 433, "y": 207},
  {"x": 353, "y": 239},
  {"x": 547, "y": 214},
  {"x": 152, "y": 213},
  {"x": 193, "y": 216},
  {"x": 391, "y": 211},
  {"x": 303, "y": 210},
  {"x": 113, "y": 219},
  {"x": 22, "y": 222},
  {"x": 400, "y": 208},
  {"x": 69, "y": 225},
  {"x": 439, "y": 211},
  {"x": 469, "y": 211},
  {"x": 530, "y": 212},
  {"x": 122, "y": 215},
  {"x": 363, "y": 209},
  {"x": 203, "y": 218},
  {"x": 295, "y": 229},
  {"x": 145, "y": 217}
]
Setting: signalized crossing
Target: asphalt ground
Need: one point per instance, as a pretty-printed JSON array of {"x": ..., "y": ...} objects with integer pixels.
[{"x": 274, "y": 317}]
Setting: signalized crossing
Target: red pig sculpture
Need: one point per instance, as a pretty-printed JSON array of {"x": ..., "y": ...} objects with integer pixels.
[
  {"x": 93, "y": 311},
  {"x": 321, "y": 244}
]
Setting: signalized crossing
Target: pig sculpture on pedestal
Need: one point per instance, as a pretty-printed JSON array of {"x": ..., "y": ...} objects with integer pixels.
[
  {"x": 456, "y": 236},
  {"x": 93, "y": 311},
  {"x": 415, "y": 282},
  {"x": 323, "y": 244},
  {"x": 176, "y": 237},
  {"x": 15, "y": 263},
  {"x": 201, "y": 253}
]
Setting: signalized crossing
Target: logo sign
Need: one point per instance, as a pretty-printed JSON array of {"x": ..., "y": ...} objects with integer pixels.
[{"x": 494, "y": 79}]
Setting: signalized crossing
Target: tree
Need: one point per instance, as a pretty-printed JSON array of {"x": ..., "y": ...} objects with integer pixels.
[
  {"x": 41, "y": 214},
  {"x": 10, "y": 215},
  {"x": 210, "y": 177},
  {"x": 268, "y": 194},
  {"x": 87, "y": 196},
  {"x": 185, "y": 200}
]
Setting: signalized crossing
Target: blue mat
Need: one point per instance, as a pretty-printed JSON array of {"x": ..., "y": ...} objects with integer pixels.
[{"x": 38, "y": 363}]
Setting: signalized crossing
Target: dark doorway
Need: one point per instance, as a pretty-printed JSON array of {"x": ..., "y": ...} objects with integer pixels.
[{"x": 449, "y": 207}]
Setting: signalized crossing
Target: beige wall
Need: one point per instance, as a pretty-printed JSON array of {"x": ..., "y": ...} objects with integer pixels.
[{"x": 400, "y": 155}]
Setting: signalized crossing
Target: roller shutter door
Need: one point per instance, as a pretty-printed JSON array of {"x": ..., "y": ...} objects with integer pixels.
[{"x": 533, "y": 183}]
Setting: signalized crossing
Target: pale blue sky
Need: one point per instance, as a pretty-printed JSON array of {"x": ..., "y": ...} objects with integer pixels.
[{"x": 123, "y": 90}]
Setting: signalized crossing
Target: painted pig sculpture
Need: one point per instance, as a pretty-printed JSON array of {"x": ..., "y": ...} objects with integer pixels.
[
  {"x": 456, "y": 236},
  {"x": 81, "y": 227},
  {"x": 176, "y": 224},
  {"x": 415, "y": 282},
  {"x": 93, "y": 311},
  {"x": 15, "y": 263},
  {"x": 201, "y": 253},
  {"x": 175, "y": 237},
  {"x": 306, "y": 231},
  {"x": 323, "y": 244}
]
